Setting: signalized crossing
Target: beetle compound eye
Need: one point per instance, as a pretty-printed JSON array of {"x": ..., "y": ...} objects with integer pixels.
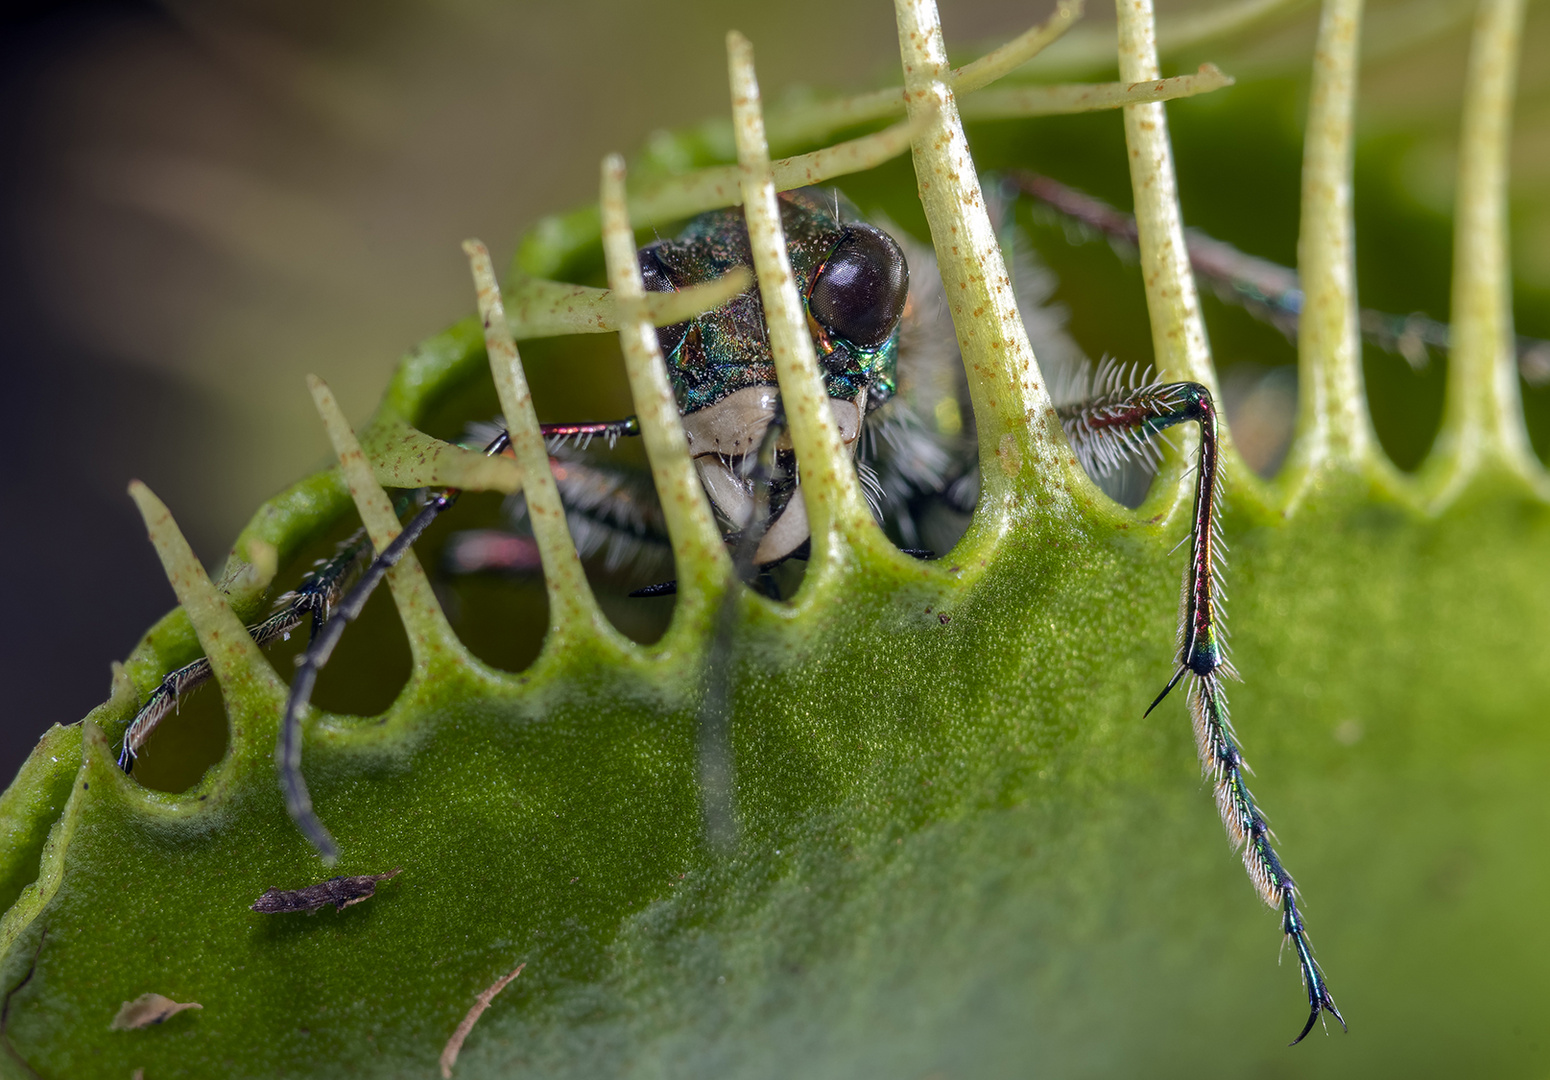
[
  {"x": 859, "y": 293},
  {"x": 654, "y": 275}
]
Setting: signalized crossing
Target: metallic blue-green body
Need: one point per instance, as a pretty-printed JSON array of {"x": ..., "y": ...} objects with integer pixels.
[{"x": 726, "y": 350}]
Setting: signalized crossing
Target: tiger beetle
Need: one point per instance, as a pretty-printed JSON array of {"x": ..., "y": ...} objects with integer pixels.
[{"x": 900, "y": 403}]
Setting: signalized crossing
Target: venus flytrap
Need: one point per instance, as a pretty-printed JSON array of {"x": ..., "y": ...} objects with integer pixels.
[{"x": 947, "y": 804}]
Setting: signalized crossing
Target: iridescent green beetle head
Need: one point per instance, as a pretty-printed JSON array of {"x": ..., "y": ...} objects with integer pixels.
[{"x": 853, "y": 280}]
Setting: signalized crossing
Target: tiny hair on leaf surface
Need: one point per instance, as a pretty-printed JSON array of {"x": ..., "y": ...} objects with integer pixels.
[{"x": 948, "y": 834}]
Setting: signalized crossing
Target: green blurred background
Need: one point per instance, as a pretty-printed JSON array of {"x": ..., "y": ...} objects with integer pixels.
[{"x": 204, "y": 202}]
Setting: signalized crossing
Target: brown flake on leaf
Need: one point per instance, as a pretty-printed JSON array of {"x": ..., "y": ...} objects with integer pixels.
[
  {"x": 148, "y": 1009},
  {"x": 339, "y": 891},
  {"x": 455, "y": 1044}
]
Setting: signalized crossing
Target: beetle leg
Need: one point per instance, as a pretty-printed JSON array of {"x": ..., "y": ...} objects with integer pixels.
[
  {"x": 316, "y": 596},
  {"x": 613, "y": 513},
  {"x": 311, "y": 662},
  {"x": 288, "y": 752},
  {"x": 1119, "y": 423},
  {"x": 581, "y": 435}
]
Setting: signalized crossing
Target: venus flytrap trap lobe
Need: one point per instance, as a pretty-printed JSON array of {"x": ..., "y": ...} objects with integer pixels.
[
  {"x": 1028, "y": 482},
  {"x": 1108, "y": 428},
  {"x": 1112, "y": 425}
]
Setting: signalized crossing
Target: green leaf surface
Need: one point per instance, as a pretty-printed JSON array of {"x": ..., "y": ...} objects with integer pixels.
[{"x": 961, "y": 848}]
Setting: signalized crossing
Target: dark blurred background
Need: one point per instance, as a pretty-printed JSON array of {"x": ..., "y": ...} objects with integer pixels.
[{"x": 200, "y": 203}]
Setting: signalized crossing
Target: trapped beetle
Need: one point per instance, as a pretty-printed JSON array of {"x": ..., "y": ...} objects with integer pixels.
[
  {"x": 880, "y": 373},
  {"x": 892, "y": 374},
  {"x": 860, "y": 721}
]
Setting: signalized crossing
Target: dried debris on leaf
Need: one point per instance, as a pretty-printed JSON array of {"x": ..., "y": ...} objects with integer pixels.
[
  {"x": 148, "y": 1009},
  {"x": 339, "y": 891},
  {"x": 455, "y": 1044}
]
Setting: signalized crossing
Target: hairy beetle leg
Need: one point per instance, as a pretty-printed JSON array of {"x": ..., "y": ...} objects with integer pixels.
[
  {"x": 315, "y": 597},
  {"x": 1117, "y": 423}
]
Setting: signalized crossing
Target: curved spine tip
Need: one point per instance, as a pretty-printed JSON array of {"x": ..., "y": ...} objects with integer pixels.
[
  {"x": 404, "y": 457},
  {"x": 1015, "y": 53},
  {"x": 709, "y": 189},
  {"x": 1063, "y": 99}
]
